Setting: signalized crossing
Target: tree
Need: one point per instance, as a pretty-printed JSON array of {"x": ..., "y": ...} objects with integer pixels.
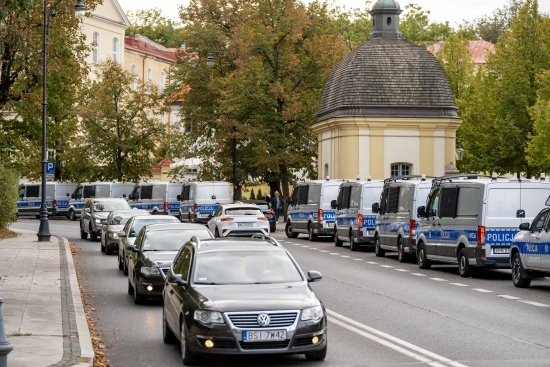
[
  {"x": 151, "y": 24},
  {"x": 497, "y": 113},
  {"x": 119, "y": 128},
  {"x": 8, "y": 195},
  {"x": 416, "y": 27},
  {"x": 489, "y": 28},
  {"x": 457, "y": 63},
  {"x": 538, "y": 154},
  {"x": 258, "y": 101},
  {"x": 252, "y": 196}
]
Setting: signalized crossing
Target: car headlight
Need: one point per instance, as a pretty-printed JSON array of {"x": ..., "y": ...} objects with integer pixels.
[
  {"x": 312, "y": 313},
  {"x": 97, "y": 220},
  {"x": 209, "y": 317},
  {"x": 113, "y": 234},
  {"x": 150, "y": 270}
]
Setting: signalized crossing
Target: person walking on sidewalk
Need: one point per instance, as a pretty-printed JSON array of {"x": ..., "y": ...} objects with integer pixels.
[{"x": 277, "y": 205}]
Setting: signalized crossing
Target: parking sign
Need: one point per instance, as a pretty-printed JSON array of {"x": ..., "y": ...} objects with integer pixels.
[{"x": 50, "y": 168}]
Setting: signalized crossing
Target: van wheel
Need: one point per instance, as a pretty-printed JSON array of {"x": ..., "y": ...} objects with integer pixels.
[
  {"x": 71, "y": 215},
  {"x": 288, "y": 231},
  {"x": 517, "y": 278},
  {"x": 311, "y": 236},
  {"x": 401, "y": 255},
  {"x": 464, "y": 268},
  {"x": 353, "y": 246},
  {"x": 423, "y": 262},
  {"x": 337, "y": 242},
  {"x": 377, "y": 250}
]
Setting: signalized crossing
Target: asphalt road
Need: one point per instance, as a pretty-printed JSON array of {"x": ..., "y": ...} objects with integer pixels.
[{"x": 381, "y": 312}]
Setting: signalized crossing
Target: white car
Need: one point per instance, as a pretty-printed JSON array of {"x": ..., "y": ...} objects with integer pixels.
[{"x": 238, "y": 220}]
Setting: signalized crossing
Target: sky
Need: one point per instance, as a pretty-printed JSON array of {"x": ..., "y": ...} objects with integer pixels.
[{"x": 454, "y": 11}]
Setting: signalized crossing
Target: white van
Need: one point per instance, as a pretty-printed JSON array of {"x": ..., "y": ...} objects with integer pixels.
[
  {"x": 157, "y": 197},
  {"x": 199, "y": 200},
  {"x": 309, "y": 208},
  {"x": 96, "y": 190},
  {"x": 57, "y": 198},
  {"x": 355, "y": 222},
  {"x": 470, "y": 220},
  {"x": 397, "y": 219}
]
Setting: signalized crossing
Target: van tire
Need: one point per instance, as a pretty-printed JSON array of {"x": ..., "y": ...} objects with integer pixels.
[
  {"x": 353, "y": 246},
  {"x": 423, "y": 261},
  {"x": 288, "y": 231},
  {"x": 311, "y": 235},
  {"x": 518, "y": 276},
  {"x": 337, "y": 242},
  {"x": 377, "y": 249},
  {"x": 71, "y": 215},
  {"x": 464, "y": 268},
  {"x": 401, "y": 255}
]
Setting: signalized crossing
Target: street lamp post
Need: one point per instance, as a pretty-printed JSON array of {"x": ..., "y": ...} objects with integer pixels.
[{"x": 80, "y": 10}]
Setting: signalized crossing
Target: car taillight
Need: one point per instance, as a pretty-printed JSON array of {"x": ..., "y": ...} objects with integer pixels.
[
  {"x": 195, "y": 208},
  {"x": 360, "y": 221},
  {"x": 320, "y": 214},
  {"x": 262, "y": 218},
  {"x": 481, "y": 235},
  {"x": 165, "y": 206},
  {"x": 54, "y": 203},
  {"x": 272, "y": 212},
  {"x": 412, "y": 228},
  {"x": 227, "y": 219}
]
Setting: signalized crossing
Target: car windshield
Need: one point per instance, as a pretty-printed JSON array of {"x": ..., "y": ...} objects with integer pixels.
[
  {"x": 243, "y": 211},
  {"x": 245, "y": 267},
  {"x": 140, "y": 223},
  {"x": 172, "y": 240},
  {"x": 263, "y": 206},
  {"x": 119, "y": 219},
  {"x": 107, "y": 206}
]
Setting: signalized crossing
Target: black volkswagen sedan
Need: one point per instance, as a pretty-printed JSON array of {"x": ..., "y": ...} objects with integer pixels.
[
  {"x": 241, "y": 297},
  {"x": 152, "y": 254}
]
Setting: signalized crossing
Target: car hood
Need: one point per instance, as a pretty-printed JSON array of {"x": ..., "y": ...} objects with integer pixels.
[
  {"x": 101, "y": 215},
  {"x": 232, "y": 298},
  {"x": 115, "y": 228},
  {"x": 159, "y": 257}
]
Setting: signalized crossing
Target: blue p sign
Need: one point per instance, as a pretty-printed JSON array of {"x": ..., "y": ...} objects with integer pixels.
[{"x": 50, "y": 168}]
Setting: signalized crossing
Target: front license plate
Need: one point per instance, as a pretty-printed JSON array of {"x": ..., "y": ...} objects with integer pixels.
[
  {"x": 245, "y": 224},
  {"x": 501, "y": 250},
  {"x": 262, "y": 336},
  {"x": 330, "y": 224}
]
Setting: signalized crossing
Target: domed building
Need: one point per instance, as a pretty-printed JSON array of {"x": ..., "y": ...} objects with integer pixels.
[{"x": 387, "y": 108}]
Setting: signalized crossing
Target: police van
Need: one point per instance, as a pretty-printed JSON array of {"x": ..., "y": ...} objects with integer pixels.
[
  {"x": 200, "y": 199},
  {"x": 354, "y": 220},
  {"x": 157, "y": 197},
  {"x": 88, "y": 190},
  {"x": 397, "y": 220},
  {"x": 57, "y": 198},
  {"x": 309, "y": 210},
  {"x": 470, "y": 220}
]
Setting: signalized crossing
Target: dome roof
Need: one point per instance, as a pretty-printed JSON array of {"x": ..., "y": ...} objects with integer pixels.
[
  {"x": 388, "y": 77},
  {"x": 386, "y": 4}
]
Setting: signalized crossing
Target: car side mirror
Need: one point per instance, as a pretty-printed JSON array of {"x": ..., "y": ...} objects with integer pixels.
[
  {"x": 421, "y": 211},
  {"x": 177, "y": 279},
  {"x": 132, "y": 233},
  {"x": 313, "y": 276},
  {"x": 121, "y": 234},
  {"x": 73, "y": 196},
  {"x": 131, "y": 197},
  {"x": 86, "y": 210},
  {"x": 132, "y": 248},
  {"x": 68, "y": 194},
  {"x": 178, "y": 197},
  {"x": 375, "y": 207},
  {"x": 103, "y": 221},
  {"x": 524, "y": 227},
  {"x": 334, "y": 204},
  {"x": 21, "y": 196}
]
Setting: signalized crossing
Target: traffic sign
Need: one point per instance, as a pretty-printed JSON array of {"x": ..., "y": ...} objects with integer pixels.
[{"x": 50, "y": 168}]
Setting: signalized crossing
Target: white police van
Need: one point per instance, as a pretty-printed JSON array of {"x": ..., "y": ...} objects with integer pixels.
[
  {"x": 530, "y": 251},
  {"x": 354, "y": 220},
  {"x": 397, "y": 220},
  {"x": 57, "y": 198},
  {"x": 309, "y": 208},
  {"x": 470, "y": 220},
  {"x": 88, "y": 190},
  {"x": 157, "y": 197},
  {"x": 200, "y": 199}
]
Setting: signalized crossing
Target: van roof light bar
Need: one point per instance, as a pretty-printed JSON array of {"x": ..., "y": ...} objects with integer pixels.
[
  {"x": 369, "y": 179},
  {"x": 494, "y": 176},
  {"x": 328, "y": 178},
  {"x": 543, "y": 176}
]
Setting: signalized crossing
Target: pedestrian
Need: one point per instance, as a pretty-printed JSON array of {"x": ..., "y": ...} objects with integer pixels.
[
  {"x": 277, "y": 205},
  {"x": 267, "y": 199}
]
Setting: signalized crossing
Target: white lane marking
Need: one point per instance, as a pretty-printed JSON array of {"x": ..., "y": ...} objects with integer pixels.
[
  {"x": 334, "y": 253},
  {"x": 507, "y": 297},
  {"x": 305, "y": 246},
  {"x": 392, "y": 339},
  {"x": 295, "y": 244},
  {"x": 534, "y": 303},
  {"x": 439, "y": 279},
  {"x": 419, "y": 274},
  {"x": 460, "y": 284},
  {"x": 482, "y": 290},
  {"x": 324, "y": 251},
  {"x": 386, "y": 266},
  {"x": 358, "y": 259},
  {"x": 404, "y": 270},
  {"x": 345, "y": 256},
  {"x": 372, "y": 262}
]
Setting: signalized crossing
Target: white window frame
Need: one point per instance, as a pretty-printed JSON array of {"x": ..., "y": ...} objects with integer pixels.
[
  {"x": 115, "y": 49},
  {"x": 133, "y": 71},
  {"x": 162, "y": 81},
  {"x": 95, "y": 50}
]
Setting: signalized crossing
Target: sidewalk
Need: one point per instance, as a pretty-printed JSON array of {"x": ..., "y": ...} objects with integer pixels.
[{"x": 43, "y": 314}]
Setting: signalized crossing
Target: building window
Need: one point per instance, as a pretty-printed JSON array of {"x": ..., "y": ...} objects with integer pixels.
[
  {"x": 115, "y": 49},
  {"x": 401, "y": 169},
  {"x": 326, "y": 170},
  {"x": 149, "y": 75},
  {"x": 95, "y": 45},
  {"x": 133, "y": 70},
  {"x": 162, "y": 81}
]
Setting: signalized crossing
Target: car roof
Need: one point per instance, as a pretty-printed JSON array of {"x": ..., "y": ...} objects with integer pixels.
[
  {"x": 153, "y": 216},
  {"x": 237, "y": 243},
  {"x": 239, "y": 205},
  {"x": 107, "y": 199},
  {"x": 124, "y": 211},
  {"x": 172, "y": 226},
  {"x": 252, "y": 201}
]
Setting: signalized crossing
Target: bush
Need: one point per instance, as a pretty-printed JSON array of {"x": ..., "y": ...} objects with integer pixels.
[
  {"x": 259, "y": 195},
  {"x": 252, "y": 196},
  {"x": 9, "y": 188}
]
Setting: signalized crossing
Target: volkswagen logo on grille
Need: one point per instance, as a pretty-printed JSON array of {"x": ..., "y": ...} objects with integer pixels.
[{"x": 263, "y": 319}]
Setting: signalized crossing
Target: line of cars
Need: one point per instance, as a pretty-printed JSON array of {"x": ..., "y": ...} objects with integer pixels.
[{"x": 469, "y": 220}]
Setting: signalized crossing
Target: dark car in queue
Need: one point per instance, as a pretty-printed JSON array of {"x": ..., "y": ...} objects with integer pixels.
[
  {"x": 268, "y": 212},
  {"x": 241, "y": 296},
  {"x": 130, "y": 231},
  {"x": 152, "y": 254},
  {"x": 113, "y": 224}
]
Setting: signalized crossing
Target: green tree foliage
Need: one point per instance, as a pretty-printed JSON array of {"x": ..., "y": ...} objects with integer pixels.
[
  {"x": 538, "y": 154},
  {"x": 355, "y": 26},
  {"x": 457, "y": 63},
  {"x": 252, "y": 196},
  {"x": 416, "y": 27},
  {"x": 151, "y": 24},
  {"x": 260, "y": 98},
  {"x": 497, "y": 112},
  {"x": 490, "y": 27},
  {"x": 21, "y": 57},
  {"x": 119, "y": 129},
  {"x": 8, "y": 195}
]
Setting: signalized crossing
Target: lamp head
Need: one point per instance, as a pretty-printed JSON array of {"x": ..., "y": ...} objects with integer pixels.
[
  {"x": 80, "y": 9},
  {"x": 210, "y": 61}
]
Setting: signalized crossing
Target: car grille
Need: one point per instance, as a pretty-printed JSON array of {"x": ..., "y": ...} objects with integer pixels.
[
  {"x": 250, "y": 320},
  {"x": 265, "y": 345}
]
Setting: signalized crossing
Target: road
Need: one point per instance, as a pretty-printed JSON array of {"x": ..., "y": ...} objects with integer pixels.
[{"x": 381, "y": 312}]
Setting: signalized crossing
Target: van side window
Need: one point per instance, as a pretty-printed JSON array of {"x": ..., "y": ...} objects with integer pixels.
[
  {"x": 406, "y": 198},
  {"x": 102, "y": 191},
  {"x": 449, "y": 199},
  {"x": 393, "y": 199},
  {"x": 33, "y": 191},
  {"x": 146, "y": 193},
  {"x": 469, "y": 199},
  {"x": 355, "y": 196},
  {"x": 185, "y": 192},
  {"x": 383, "y": 199},
  {"x": 89, "y": 191},
  {"x": 340, "y": 197},
  {"x": 135, "y": 193},
  {"x": 539, "y": 221},
  {"x": 303, "y": 194},
  {"x": 314, "y": 193},
  {"x": 433, "y": 205},
  {"x": 345, "y": 197}
]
